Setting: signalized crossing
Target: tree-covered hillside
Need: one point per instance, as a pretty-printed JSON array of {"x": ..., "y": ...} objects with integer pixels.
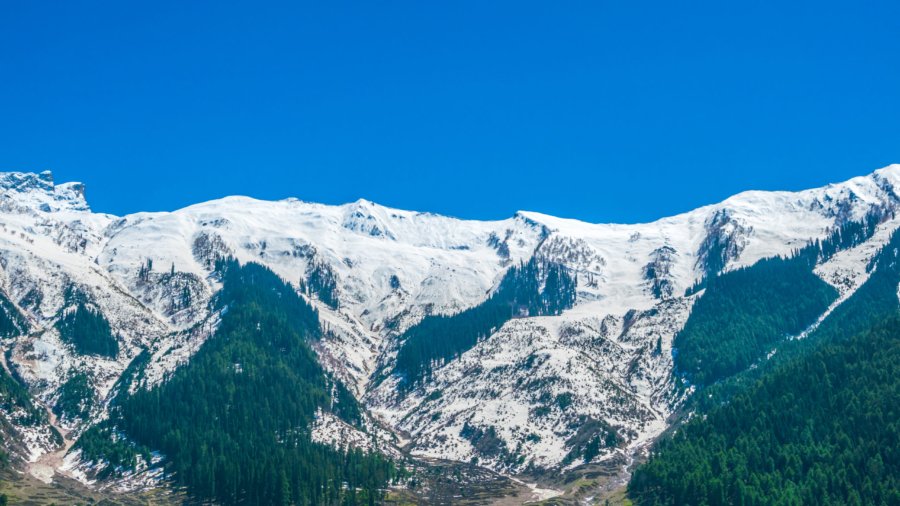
[
  {"x": 234, "y": 423},
  {"x": 820, "y": 429},
  {"x": 817, "y": 423},
  {"x": 88, "y": 331},
  {"x": 12, "y": 323},
  {"x": 744, "y": 312}
]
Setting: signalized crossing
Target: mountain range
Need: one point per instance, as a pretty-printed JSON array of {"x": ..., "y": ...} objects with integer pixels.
[{"x": 527, "y": 351}]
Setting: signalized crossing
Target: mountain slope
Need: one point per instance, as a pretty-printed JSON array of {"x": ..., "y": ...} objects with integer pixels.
[
  {"x": 820, "y": 429},
  {"x": 536, "y": 382},
  {"x": 589, "y": 381},
  {"x": 234, "y": 422}
]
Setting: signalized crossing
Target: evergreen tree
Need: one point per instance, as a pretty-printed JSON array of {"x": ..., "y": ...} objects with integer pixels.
[
  {"x": 76, "y": 397},
  {"x": 12, "y": 323},
  {"x": 814, "y": 424},
  {"x": 322, "y": 281}
]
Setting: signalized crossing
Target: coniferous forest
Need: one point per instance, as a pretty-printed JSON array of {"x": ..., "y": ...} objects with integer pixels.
[
  {"x": 76, "y": 397},
  {"x": 817, "y": 423},
  {"x": 744, "y": 312},
  {"x": 322, "y": 281},
  {"x": 17, "y": 406},
  {"x": 450, "y": 253},
  {"x": 11, "y": 321},
  {"x": 88, "y": 331},
  {"x": 821, "y": 429},
  {"x": 234, "y": 423},
  {"x": 779, "y": 420}
]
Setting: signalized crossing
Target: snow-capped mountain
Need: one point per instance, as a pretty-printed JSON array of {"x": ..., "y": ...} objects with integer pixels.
[{"x": 531, "y": 395}]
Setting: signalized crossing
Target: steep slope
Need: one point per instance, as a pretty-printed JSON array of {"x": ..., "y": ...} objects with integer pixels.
[
  {"x": 48, "y": 244},
  {"x": 234, "y": 422},
  {"x": 744, "y": 312},
  {"x": 536, "y": 391},
  {"x": 813, "y": 423},
  {"x": 389, "y": 268},
  {"x": 147, "y": 279},
  {"x": 818, "y": 429},
  {"x": 586, "y": 382}
]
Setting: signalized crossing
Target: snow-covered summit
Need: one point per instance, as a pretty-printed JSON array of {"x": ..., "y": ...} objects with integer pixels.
[
  {"x": 38, "y": 192},
  {"x": 392, "y": 266}
]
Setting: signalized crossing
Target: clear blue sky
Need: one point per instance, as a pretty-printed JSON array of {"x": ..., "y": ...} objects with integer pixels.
[{"x": 605, "y": 111}]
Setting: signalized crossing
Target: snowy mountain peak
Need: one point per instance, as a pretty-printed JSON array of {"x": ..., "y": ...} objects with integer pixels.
[
  {"x": 37, "y": 192},
  {"x": 892, "y": 170},
  {"x": 368, "y": 218},
  {"x": 373, "y": 272},
  {"x": 361, "y": 202}
]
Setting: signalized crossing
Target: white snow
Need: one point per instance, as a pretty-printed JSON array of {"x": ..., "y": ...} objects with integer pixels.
[
  {"x": 331, "y": 430},
  {"x": 394, "y": 267}
]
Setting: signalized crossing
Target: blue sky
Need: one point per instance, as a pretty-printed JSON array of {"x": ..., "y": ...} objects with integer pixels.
[{"x": 604, "y": 111}]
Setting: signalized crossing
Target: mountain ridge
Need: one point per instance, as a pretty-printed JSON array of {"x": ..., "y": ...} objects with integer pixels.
[
  {"x": 8, "y": 182},
  {"x": 599, "y": 371}
]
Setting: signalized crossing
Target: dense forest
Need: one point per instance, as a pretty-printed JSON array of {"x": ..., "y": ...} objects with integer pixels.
[
  {"x": 88, "y": 331},
  {"x": 12, "y": 323},
  {"x": 103, "y": 443},
  {"x": 234, "y": 423},
  {"x": 875, "y": 300},
  {"x": 817, "y": 423},
  {"x": 322, "y": 281},
  {"x": 871, "y": 303},
  {"x": 76, "y": 397},
  {"x": 15, "y": 402},
  {"x": 821, "y": 429},
  {"x": 847, "y": 235},
  {"x": 744, "y": 312},
  {"x": 535, "y": 288},
  {"x": 13, "y": 396}
]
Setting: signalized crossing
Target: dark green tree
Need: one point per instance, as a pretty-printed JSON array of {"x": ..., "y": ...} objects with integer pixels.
[{"x": 88, "y": 331}]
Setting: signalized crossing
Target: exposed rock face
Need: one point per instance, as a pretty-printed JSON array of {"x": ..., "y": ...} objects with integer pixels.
[
  {"x": 36, "y": 192},
  {"x": 658, "y": 272},
  {"x": 726, "y": 237}
]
